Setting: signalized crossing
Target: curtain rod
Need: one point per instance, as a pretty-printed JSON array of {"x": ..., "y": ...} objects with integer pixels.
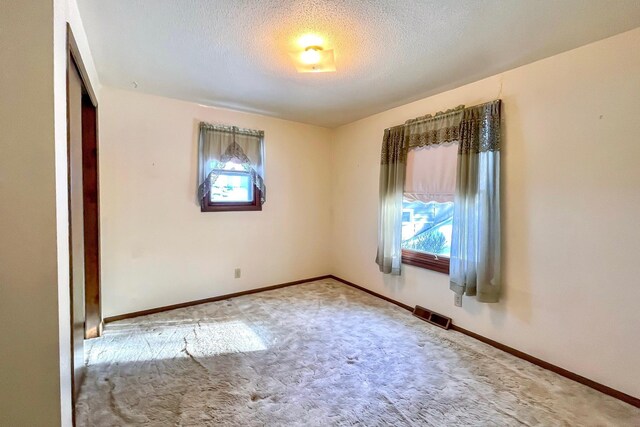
[{"x": 441, "y": 113}]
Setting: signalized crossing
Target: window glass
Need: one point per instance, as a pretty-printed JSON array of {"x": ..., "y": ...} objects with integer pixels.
[
  {"x": 232, "y": 188},
  {"x": 427, "y": 214},
  {"x": 233, "y": 184},
  {"x": 426, "y": 227}
]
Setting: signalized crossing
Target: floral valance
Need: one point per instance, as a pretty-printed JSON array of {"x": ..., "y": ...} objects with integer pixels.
[
  {"x": 441, "y": 128},
  {"x": 476, "y": 129}
]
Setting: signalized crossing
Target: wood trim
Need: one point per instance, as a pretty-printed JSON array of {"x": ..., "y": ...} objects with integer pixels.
[
  {"x": 522, "y": 355},
  {"x": 256, "y": 205},
  {"x": 375, "y": 294},
  {"x": 206, "y": 300},
  {"x": 553, "y": 368},
  {"x": 424, "y": 260}
]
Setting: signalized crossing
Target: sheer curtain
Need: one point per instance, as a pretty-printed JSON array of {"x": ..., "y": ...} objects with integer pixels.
[
  {"x": 475, "y": 268},
  {"x": 220, "y": 144}
]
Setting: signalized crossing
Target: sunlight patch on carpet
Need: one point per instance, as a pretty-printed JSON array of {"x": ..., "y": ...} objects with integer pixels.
[{"x": 176, "y": 340}]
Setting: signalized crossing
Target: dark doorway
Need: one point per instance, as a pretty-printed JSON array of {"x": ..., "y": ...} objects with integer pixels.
[{"x": 93, "y": 309}]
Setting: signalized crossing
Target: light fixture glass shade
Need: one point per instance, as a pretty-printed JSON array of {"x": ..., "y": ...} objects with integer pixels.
[
  {"x": 320, "y": 61},
  {"x": 311, "y": 56}
]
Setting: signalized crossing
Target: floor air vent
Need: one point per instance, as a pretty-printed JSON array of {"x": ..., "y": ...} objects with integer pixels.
[{"x": 431, "y": 317}]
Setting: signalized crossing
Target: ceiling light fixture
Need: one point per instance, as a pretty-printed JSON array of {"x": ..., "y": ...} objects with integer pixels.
[
  {"x": 313, "y": 58},
  {"x": 311, "y": 55}
]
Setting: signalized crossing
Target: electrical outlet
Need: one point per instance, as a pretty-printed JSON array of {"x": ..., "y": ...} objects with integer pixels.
[
  {"x": 237, "y": 273},
  {"x": 457, "y": 300}
]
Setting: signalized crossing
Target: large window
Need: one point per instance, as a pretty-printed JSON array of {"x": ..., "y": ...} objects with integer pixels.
[{"x": 427, "y": 212}]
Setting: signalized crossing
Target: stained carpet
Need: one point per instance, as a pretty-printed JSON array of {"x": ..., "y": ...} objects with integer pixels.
[{"x": 319, "y": 354}]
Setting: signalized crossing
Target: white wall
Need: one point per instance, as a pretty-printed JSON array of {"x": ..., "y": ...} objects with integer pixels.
[
  {"x": 571, "y": 203},
  {"x": 35, "y": 375},
  {"x": 159, "y": 249}
]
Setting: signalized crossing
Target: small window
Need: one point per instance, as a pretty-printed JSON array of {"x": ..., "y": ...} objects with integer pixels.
[
  {"x": 230, "y": 169},
  {"x": 232, "y": 189},
  {"x": 427, "y": 214}
]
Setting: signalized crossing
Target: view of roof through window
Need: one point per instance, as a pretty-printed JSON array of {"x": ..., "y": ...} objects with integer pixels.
[{"x": 426, "y": 227}]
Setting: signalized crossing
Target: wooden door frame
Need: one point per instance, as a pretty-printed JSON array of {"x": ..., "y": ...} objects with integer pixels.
[{"x": 92, "y": 301}]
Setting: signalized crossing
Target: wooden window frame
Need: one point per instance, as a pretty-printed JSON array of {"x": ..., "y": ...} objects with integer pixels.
[
  {"x": 206, "y": 205},
  {"x": 425, "y": 260}
]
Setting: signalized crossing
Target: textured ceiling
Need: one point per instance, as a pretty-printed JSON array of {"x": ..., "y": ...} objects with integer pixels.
[{"x": 234, "y": 53}]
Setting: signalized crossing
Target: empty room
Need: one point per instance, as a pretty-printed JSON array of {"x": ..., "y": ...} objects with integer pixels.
[{"x": 319, "y": 213}]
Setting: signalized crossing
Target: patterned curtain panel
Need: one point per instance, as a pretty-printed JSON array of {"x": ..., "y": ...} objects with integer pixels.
[
  {"x": 393, "y": 163},
  {"x": 475, "y": 248},
  {"x": 219, "y": 145}
]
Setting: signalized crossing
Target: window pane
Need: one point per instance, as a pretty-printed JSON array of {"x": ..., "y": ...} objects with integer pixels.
[
  {"x": 232, "y": 187},
  {"x": 426, "y": 227},
  {"x": 233, "y": 166}
]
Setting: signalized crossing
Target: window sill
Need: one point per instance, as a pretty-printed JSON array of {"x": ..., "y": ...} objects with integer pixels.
[
  {"x": 207, "y": 206},
  {"x": 428, "y": 261},
  {"x": 228, "y": 207}
]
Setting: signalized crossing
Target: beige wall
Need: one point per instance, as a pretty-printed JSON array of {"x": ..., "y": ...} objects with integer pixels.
[
  {"x": 159, "y": 249},
  {"x": 35, "y": 377},
  {"x": 29, "y": 373},
  {"x": 571, "y": 203}
]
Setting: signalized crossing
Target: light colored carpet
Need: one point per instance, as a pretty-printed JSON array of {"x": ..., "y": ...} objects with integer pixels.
[{"x": 319, "y": 354}]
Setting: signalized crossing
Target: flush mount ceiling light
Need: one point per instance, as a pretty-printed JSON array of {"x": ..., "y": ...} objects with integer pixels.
[{"x": 313, "y": 58}]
